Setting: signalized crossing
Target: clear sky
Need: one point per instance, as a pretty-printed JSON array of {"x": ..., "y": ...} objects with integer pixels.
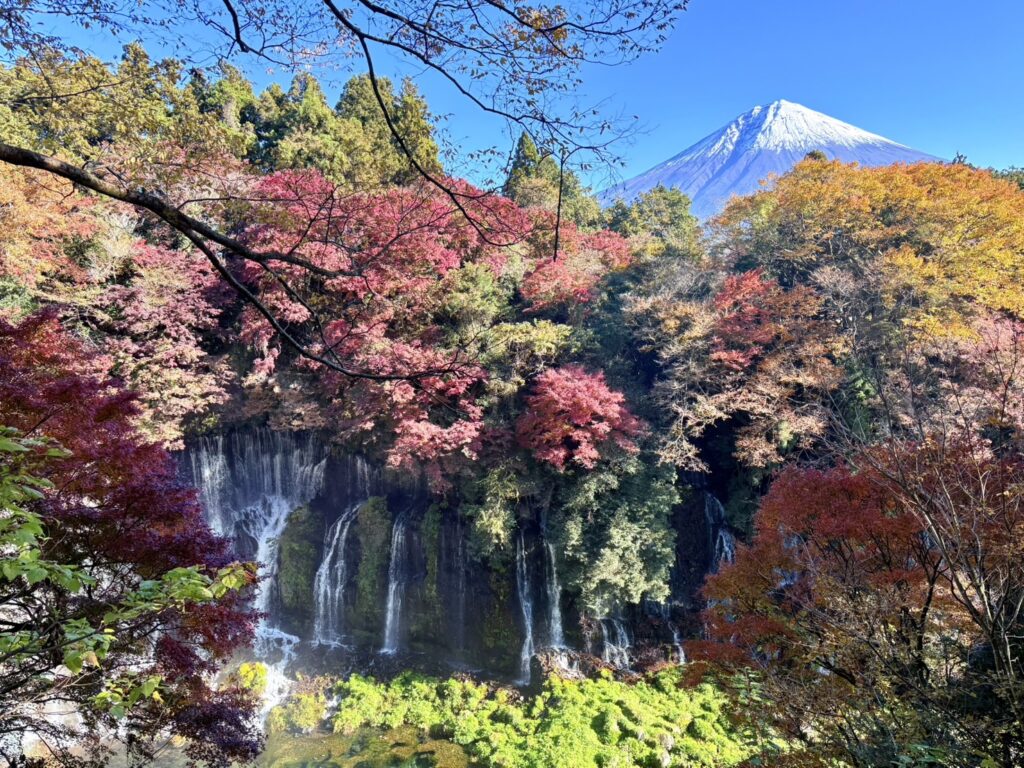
[{"x": 942, "y": 76}]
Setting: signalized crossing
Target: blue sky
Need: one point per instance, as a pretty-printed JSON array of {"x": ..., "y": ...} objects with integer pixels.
[
  {"x": 940, "y": 76},
  {"x": 937, "y": 75}
]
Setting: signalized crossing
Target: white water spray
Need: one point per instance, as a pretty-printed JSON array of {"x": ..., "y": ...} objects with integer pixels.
[
  {"x": 616, "y": 642},
  {"x": 329, "y": 585},
  {"x": 722, "y": 543},
  {"x": 249, "y": 485},
  {"x": 556, "y": 635}
]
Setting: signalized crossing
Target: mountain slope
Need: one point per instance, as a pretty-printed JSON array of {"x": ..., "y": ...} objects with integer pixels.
[{"x": 766, "y": 140}]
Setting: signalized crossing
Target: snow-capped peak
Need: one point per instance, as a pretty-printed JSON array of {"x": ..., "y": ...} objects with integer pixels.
[
  {"x": 766, "y": 140},
  {"x": 787, "y": 125}
]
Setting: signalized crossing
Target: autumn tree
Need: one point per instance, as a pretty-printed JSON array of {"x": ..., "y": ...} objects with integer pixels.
[
  {"x": 519, "y": 63},
  {"x": 878, "y": 605},
  {"x": 118, "y": 602},
  {"x": 572, "y": 417},
  {"x": 816, "y": 292}
]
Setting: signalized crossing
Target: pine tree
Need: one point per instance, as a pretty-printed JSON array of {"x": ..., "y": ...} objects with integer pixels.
[{"x": 533, "y": 182}]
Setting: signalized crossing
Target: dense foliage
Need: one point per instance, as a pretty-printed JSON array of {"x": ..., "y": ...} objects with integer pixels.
[
  {"x": 116, "y": 599},
  {"x": 570, "y": 723},
  {"x": 871, "y": 321}
]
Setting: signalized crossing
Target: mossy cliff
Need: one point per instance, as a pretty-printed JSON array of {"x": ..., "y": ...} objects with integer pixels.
[
  {"x": 373, "y": 536},
  {"x": 298, "y": 558}
]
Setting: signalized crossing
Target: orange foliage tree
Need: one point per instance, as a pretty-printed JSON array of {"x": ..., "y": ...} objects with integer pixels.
[
  {"x": 816, "y": 295},
  {"x": 880, "y": 604}
]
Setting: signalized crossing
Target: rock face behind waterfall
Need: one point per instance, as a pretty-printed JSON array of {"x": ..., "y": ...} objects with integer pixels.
[{"x": 364, "y": 571}]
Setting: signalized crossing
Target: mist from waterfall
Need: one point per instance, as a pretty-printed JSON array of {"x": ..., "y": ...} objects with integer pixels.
[{"x": 526, "y": 606}]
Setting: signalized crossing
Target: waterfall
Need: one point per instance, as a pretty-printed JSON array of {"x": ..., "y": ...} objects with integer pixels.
[
  {"x": 616, "y": 642},
  {"x": 721, "y": 542},
  {"x": 396, "y": 586},
  {"x": 725, "y": 547},
  {"x": 210, "y": 475},
  {"x": 556, "y": 636},
  {"x": 332, "y": 573},
  {"x": 526, "y": 605},
  {"x": 249, "y": 485},
  {"x": 677, "y": 641},
  {"x": 460, "y": 554},
  {"x": 664, "y": 611},
  {"x": 329, "y": 585}
]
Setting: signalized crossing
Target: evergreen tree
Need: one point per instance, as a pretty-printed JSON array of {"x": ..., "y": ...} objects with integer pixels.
[
  {"x": 533, "y": 182},
  {"x": 658, "y": 222},
  {"x": 352, "y": 144}
]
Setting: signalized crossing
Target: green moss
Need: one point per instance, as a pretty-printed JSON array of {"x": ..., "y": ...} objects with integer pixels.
[
  {"x": 373, "y": 529},
  {"x": 418, "y": 721},
  {"x": 299, "y": 558},
  {"x": 430, "y": 614},
  {"x": 500, "y": 636},
  {"x": 431, "y": 534}
]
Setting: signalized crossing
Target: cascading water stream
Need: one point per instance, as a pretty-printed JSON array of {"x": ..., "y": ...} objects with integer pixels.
[
  {"x": 396, "y": 586},
  {"x": 556, "y": 635},
  {"x": 526, "y": 606},
  {"x": 721, "y": 542},
  {"x": 725, "y": 548},
  {"x": 616, "y": 642},
  {"x": 329, "y": 585},
  {"x": 332, "y": 573},
  {"x": 664, "y": 611},
  {"x": 249, "y": 485},
  {"x": 677, "y": 641}
]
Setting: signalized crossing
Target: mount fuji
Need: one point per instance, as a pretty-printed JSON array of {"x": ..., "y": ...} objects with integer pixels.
[{"x": 766, "y": 140}]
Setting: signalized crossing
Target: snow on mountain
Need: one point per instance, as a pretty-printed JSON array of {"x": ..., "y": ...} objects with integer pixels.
[{"x": 766, "y": 140}]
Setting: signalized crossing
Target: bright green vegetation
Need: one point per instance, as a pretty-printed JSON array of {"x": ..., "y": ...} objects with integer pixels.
[{"x": 570, "y": 724}]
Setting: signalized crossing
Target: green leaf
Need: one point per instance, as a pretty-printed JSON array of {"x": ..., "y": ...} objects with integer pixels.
[
  {"x": 10, "y": 446},
  {"x": 73, "y": 661}
]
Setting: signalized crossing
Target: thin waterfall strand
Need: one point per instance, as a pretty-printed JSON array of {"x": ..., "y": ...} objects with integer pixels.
[
  {"x": 526, "y": 605},
  {"x": 396, "y": 587},
  {"x": 555, "y": 632}
]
